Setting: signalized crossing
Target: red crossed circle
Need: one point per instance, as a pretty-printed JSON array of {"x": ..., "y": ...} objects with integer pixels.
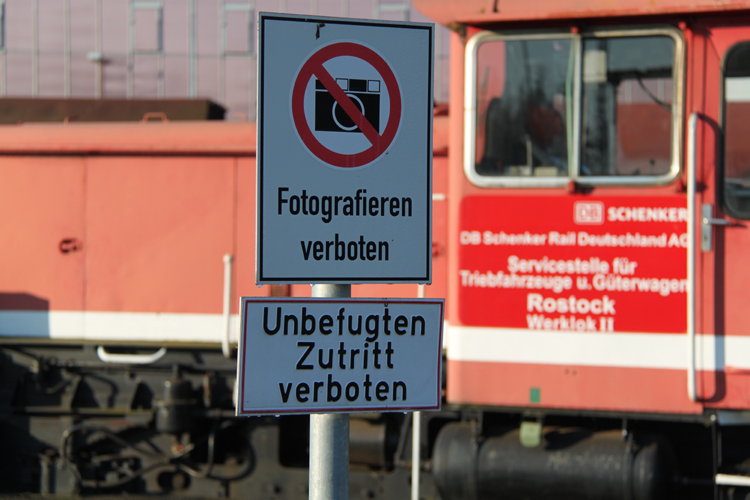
[{"x": 314, "y": 66}]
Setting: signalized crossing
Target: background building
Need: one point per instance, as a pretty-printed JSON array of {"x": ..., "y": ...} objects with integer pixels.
[{"x": 146, "y": 49}]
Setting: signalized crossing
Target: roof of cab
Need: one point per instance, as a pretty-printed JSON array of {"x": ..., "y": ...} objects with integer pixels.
[
  {"x": 211, "y": 138},
  {"x": 476, "y": 12}
]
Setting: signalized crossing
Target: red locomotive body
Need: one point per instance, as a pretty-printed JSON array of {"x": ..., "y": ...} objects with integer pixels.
[
  {"x": 590, "y": 199},
  {"x": 597, "y": 183}
]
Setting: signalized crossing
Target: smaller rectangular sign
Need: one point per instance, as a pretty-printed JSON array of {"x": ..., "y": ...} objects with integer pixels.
[{"x": 339, "y": 355}]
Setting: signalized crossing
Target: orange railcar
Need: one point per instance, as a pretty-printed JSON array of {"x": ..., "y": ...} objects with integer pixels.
[{"x": 128, "y": 247}]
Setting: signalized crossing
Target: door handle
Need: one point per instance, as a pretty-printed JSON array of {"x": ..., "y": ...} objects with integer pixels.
[
  {"x": 717, "y": 222},
  {"x": 69, "y": 245},
  {"x": 707, "y": 221}
]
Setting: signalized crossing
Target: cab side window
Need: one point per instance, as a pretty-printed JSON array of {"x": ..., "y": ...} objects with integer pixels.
[
  {"x": 522, "y": 119},
  {"x": 627, "y": 106},
  {"x": 736, "y": 121},
  {"x": 601, "y": 107}
]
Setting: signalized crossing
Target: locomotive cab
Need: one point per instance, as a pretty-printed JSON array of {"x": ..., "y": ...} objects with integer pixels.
[{"x": 594, "y": 233}]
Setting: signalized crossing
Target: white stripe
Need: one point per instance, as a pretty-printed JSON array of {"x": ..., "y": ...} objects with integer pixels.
[
  {"x": 631, "y": 350},
  {"x": 117, "y": 326},
  {"x": 639, "y": 350}
]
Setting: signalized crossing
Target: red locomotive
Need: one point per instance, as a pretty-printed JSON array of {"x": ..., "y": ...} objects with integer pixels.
[{"x": 590, "y": 202}]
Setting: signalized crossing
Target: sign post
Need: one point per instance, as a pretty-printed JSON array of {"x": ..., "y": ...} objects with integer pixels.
[
  {"x": 329, "y": 435},
  {"x": 344, "y": 165}
]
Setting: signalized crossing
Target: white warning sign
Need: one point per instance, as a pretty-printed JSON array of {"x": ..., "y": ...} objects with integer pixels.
[
  {"x": 344, "y": 151},
  {"x": 348, "y": 355}
]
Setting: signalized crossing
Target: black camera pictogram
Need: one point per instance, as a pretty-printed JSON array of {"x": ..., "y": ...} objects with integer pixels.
[{"x": 329, "y": 115}]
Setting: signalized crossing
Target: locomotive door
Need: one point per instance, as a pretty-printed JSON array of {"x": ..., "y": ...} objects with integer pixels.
[
  {"x": 158, "y": 230},
  {"x": 722, "y": 137},
  {"x": 42, "y": 275}
]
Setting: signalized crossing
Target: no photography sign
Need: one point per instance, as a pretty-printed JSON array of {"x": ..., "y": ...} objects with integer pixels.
[
  {"x": 344, "y": 151},
  {"x": 322, "y": 104}
]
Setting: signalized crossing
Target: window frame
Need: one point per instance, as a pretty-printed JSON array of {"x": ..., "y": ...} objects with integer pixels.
[
  {"x": 721, "y": 184},
  {"x": 228, "y": 7},
  {"x": 574, "y": 156},
  {"x": 157, "y": 6}
]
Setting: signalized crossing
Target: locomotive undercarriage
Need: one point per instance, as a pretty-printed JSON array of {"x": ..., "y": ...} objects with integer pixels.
[{"x": 71, "y": 424}]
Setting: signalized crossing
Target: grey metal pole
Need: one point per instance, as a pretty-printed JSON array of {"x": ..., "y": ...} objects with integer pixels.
[
  {"x": 416, "y": 460},
  {"x": 329, "y": 435},
  {"x": 416, "y": 437}
]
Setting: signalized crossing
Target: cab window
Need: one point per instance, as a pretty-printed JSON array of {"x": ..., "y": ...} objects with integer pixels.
[
  {"x": 627, "y": 106},
  {"x": 597, "y": 107},
  {"x": 522, "y": 118},
  {"x": 736, "y": 175}
]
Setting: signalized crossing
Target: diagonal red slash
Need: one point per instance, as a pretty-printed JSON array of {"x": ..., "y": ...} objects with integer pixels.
[{"x": 346, "y": 104}]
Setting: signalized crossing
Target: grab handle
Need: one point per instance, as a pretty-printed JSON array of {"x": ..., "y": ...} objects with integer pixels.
[
  {"x": 227, "y": 309},
  {"x": 691, "y": 174},
  {"x": 130, "y": 359}
]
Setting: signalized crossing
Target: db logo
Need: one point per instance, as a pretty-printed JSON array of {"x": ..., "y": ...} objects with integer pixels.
[
  {"x": 471, "y": 238},
  {"x": 588, "y": 212}
]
